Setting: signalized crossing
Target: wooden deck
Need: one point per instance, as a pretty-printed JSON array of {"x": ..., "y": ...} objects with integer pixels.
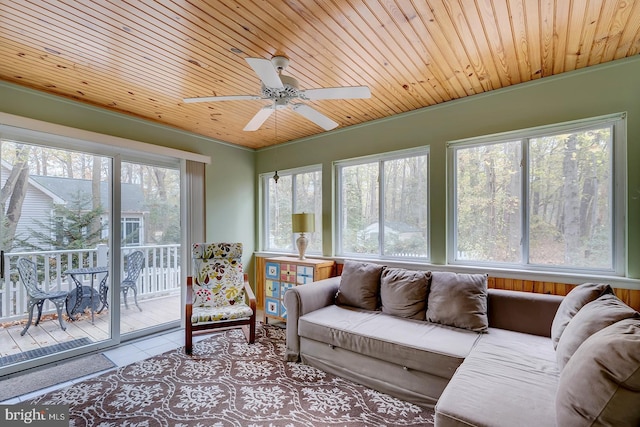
[{"x": 154, "y": 312}]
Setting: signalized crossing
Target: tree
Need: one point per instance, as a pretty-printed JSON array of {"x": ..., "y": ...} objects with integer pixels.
[
  {"x": 14, "y": 190},
  {"x": 69, "y": 229}
]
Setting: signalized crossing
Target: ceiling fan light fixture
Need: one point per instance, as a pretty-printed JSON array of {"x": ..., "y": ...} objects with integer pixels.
[{"x": 280, "y": 63}]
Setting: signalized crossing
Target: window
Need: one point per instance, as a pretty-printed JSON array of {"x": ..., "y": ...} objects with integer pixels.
[
  {"x": 383, "y": 205},
  {"x": 130, "y": 231},
  {"x": 297, "y": 191},
  {"x": 546, "y": 198}
]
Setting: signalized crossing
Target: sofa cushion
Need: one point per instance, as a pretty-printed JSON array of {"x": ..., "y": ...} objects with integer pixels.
[
  {"x": 591, "y": 318},
  {"x": 419, "y": 345},
  {"x": 509, "y": 379},
  {"x": 360, "y": 285},
  {"x": 572, "y": 303},
  {"x": 601, "y": 383},
  {"x": 458, "y": 300},
  {"x": 403, "y": 292}
]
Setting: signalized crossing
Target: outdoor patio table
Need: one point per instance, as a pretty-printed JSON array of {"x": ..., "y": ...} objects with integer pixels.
[{"x": 76, "y": 274}]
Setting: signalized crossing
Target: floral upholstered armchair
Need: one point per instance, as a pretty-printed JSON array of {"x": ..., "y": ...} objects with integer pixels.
[{"x": 219, "y": 294}]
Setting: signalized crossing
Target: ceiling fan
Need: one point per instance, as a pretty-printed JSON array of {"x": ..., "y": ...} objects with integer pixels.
[{"x": 283, "y": 90}]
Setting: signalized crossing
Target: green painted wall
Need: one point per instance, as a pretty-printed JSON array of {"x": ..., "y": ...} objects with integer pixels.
[
  {"x": 229, "y": 178},
  {"x": 600, "y": 90}
]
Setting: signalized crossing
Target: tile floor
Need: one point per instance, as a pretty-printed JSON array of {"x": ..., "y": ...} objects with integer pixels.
[{"x": 123, "y": 355}]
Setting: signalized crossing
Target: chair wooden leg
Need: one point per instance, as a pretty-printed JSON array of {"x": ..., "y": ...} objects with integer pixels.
[
  {"x": 250, "y": 331},
  {"x": 188, "y": 338}
]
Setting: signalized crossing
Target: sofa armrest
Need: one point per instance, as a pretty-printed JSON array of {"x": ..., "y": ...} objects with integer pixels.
[
  {"x": 527, "y": 312},
  {"x": 304, "y": 299}
]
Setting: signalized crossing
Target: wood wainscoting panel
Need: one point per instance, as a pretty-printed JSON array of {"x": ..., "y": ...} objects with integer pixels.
[
  {"x": 631, "y": 297},
  {"x": 260, "y": 278}
]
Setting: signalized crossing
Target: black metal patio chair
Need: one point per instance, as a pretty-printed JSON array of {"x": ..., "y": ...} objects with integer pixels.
[
  {"x": 133, "y": 266},
  {"x": 36, "y": 296}
]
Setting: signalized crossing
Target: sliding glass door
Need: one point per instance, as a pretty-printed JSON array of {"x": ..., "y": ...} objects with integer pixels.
[
  {"x": 150, "y": 236},
  {"x": 56, "y": 291},
  {"x": 91, "y": 242}
]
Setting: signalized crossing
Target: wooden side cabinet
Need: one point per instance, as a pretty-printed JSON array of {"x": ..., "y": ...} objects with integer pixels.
[{"x": 283, "y": 273}]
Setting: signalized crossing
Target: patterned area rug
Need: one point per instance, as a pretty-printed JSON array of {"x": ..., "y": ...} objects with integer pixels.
[{"x": 229, "y": 383}]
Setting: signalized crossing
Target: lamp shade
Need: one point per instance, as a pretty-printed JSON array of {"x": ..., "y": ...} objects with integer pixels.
[{"x": 303, "y": 223}]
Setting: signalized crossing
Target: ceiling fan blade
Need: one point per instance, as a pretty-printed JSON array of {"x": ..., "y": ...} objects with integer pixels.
[
  {"x": 315, "y": 116},
  {"x": 261, "y": 116},
  {"x": 221, "y": 98},
  {"x": 264, "y": 69},
  {"x": 345, "y": 92}
]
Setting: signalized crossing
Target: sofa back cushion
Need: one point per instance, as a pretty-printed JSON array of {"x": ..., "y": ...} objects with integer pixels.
[
  {"x": 458, "y": 300},
  {"x": 572, "y": 303},
  {"x": 403, "y": 292},
  {"x": 601, "y": 383},
  {"x": 360, "y": 285},
  {"x": 591, "y": 318}
]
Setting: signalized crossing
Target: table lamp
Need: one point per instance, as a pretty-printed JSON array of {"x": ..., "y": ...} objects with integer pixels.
[{"x": 303, "y": 223}]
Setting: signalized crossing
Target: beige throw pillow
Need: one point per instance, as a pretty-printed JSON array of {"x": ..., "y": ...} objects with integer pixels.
[
  {"x": 601, "y": 383},
  {"x": 360, "y": 285},
  {"x": 458, "y": 300},
  {"x": 403, "y": 293},
  {"x": 591, "y": 318},
  {"x": 572, "y": 303}
]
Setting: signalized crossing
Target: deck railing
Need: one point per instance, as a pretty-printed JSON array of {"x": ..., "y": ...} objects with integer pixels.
[{"x": 160, "y": 274}]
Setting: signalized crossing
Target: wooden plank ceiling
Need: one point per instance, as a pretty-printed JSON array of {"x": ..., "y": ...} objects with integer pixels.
[{"x": 143, "y": 57}]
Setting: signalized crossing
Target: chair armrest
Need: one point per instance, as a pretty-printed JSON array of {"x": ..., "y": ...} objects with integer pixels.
[
  {"x": 189, "y": 300},
  {"x": 304, "y": 299},
  {"x": 249, "y": 294},
  {"x": 526, "y": 312}
]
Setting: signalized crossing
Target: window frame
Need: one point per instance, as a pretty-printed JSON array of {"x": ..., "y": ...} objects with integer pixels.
[
  {"x": 380, "y": 159},
  {"x": 266, "y": 180},
  {"x": 618, "y": 192},
  {"x": 126, "y": 221}
]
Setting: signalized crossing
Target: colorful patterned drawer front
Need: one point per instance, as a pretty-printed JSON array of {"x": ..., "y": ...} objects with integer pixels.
[
  {"x": 272, "y": 288},
  {"x": 284, "y": 288},
  {"x": 273, "y": 270},
  {"x": 305, "y": 274},
  {"x": 288, "y": 272},
  {"x": 272, "y": 307},
  {"x": 283, "y": 310}
]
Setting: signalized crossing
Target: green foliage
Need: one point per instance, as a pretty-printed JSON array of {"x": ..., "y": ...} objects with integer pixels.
[
  {"x": 70, "y": 228},
  {"x": 569, "y": 200}
]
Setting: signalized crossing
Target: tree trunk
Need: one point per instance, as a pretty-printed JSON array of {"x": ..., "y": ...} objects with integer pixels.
[
  {"x": 571, "y": 202},
  {"x": 95, "y": 193},
  {"x": 15, "y": 190}
]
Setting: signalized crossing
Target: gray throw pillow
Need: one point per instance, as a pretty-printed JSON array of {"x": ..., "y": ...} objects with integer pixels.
[
  {"x": 360, "y": 285},
  {"x": 403, "y": 293},
  {"x": 458, "y": 300},
  {"x": 572, "y": 303},
  {"x": 601, "y": 383},
  {"x": 591, "y": 318}
]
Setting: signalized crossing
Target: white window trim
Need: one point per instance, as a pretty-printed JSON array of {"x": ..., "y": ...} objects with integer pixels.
[
  {"x": 619, "y": 138},
  {"x": 338, "y": 165},
  {"x": 264, "y": 213},
  {"x": 97, "y": 143}
]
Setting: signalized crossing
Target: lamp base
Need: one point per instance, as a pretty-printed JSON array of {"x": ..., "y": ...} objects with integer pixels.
[{"x": 302, "y": 242}]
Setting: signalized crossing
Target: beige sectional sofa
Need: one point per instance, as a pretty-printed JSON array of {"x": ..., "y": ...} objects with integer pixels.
[{"x": 481, "y": 357}]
